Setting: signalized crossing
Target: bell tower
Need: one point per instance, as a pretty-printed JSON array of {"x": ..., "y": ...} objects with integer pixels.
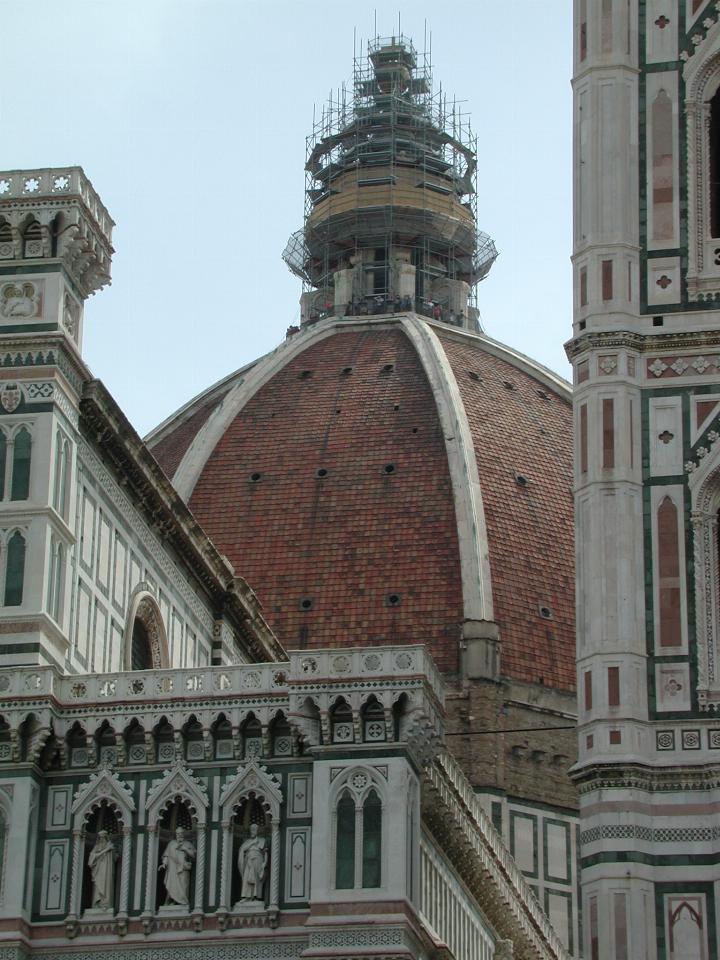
[
  {"x": 55, "y": 251},
  {"x": 646, "y": 338}
]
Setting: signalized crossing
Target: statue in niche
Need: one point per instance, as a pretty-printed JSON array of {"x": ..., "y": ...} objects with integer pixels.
[
  {"x": 177, "y": 863},
  {"x": 252, "y": 865},
  {"x": 101, "y": 862}
]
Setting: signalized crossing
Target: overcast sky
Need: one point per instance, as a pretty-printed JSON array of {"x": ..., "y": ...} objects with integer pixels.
[{"x": 190, "y": 118}]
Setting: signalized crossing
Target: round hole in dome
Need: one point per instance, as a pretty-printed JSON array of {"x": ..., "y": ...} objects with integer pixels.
[
  {"x": 389, "y": 468},
  {"x": 346, "y": 371},
  {"x": 474, "y": 376},
  {"x": 396, "y": 406},
  {"x": 546, "y": 613},
  {"x": 521, "y": 480},
  {"x": 414, "y": 429},
  {"x": 388, "y": 368},
  {"x": 508, "y": 385},
  {"x": 393, "y": 599},
  {"x": 322, "y": 472},
  {"x": 305, "y": 374},
  {"x": 254, "y": 477},
  {"x": 543, "y": 395},
  {"x": 306, "y": 603}
]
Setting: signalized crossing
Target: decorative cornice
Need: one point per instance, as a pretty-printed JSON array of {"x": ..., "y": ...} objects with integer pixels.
[
  {"x": 642, "y": 342},
  {"x": 634, "y": 776}
]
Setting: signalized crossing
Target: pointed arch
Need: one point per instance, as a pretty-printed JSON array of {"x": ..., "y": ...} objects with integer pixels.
[
  {"x": 178, "y": 786},
  {"x": 252, "y": 783},
  {"x": 145, "y": 639},
  {"x": 104, "y": 788}
]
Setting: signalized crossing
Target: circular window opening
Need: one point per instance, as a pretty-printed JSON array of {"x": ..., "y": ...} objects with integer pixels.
[
  {"x": 543, "y": 395},
  {"x": 254, "y": 477},
  {"x": 414, "y": 429},
  {"x": 546, "y": 613},
  {"x": 306, "y": 603},
  {"x": 474, "y": 376},
  {"x": 393, "y": 599},
  {"x": 346, "y": 371},
  {"x": 521, "y": 480},
  {"x": 305, "y": 375},
  {"x": 322, "y": 472},
  {"x": 389, "y": 468},
  {"x": 388, "y": 368}
]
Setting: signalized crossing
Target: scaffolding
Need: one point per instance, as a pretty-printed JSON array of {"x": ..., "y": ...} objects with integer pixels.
[{"x": 390, "y": 178}]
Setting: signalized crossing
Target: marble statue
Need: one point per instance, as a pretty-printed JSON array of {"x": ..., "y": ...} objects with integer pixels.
[
  {"x": 101, "y": 862},
  {"x": 177, "y": 863},
  {"x": 252, "y": 864}
]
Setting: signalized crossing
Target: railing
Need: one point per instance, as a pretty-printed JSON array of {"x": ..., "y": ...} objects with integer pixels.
[
  {"x": 387, "y": 663},
  {"x": 55, "y": 182},
  {"x": 314, "y": 668}
]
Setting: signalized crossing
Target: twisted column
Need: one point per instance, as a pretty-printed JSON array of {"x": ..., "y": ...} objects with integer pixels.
[
  {"x": 275, "y": 864},
  {"x": 224, "y": 867},
  {"x": 75, "y": 884},
  {"x": 200, "y": 868},
  {"x": 125, "y": 871},
  {"x": 151, "y": 876}
]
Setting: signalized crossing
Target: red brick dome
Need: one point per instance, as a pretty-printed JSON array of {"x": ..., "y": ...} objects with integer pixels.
[{"x": 386, "y": 481}]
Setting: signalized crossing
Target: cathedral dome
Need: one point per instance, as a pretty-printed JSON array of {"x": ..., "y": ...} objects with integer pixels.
[{"x": 391, "y": 479}]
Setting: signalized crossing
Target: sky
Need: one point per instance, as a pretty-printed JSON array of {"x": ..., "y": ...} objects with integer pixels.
[{"x": 190, "y": 119}]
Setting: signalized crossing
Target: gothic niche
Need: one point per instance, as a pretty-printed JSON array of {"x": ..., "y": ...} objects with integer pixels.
[
  {"x": 177, "y": 853},
  {"x": 101, "y": 869},
  {"x": 250, "y": 854}
]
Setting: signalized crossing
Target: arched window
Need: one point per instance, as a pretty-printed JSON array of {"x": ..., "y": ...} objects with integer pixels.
[
  {"x": 145, "y": 641},
  {"x": 371, "y": 840},
  {"x": 141, "y": 650},
  {"x": 358, "y": 830},
  {"x": 345, "y": 843},
  {"x": 20, "y": 484},
  {"x": 15, "y": 570},
  {"x": 62, "y": 464},
  {"x": 715, "y": 165},
  {"x": 32, "y": 240},
  {"x": 55, "y": 580}
]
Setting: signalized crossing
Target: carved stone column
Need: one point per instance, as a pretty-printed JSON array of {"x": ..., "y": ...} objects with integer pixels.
[
  {"x": 199, "y": 869},
  {"x": 151, "y": 876},
  {"x": 707, "y": 582},
  {"x": 225, "y": 866},
  {"x": 274, "y": 865},
  {"x": 76, "y": 875},
  {"x": 125, "y": 872}
]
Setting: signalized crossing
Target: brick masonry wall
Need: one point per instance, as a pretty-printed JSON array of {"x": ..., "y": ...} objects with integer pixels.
[
  {"x": 528, "y": 765},
  {"x": 349, "y": 541},
  {"x": 521, "y": 428}
]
